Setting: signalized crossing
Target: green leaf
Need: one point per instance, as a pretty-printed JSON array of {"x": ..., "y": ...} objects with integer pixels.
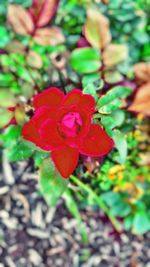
[
  {"x": 92, "y": 83},
  {"x": 51, "y": 183},
  {"x": 128, "y": 221},
  {"x": 6, "y": 98},
  {"x": 121, "y": 145},
  {"x": 121, "y": 209},
  {"x": 6, "y": 79},
  {"x": 90, "y": 89},
  {"x": 115, "y": 92},
  {"x": 111, "y": 198},
  {"x": 24, "y": 74},
  {"x": 7, "y": 61},
  {"x": 73, "y": 209},
  {"x": 39, "y": 156},
  {"x": 5, "y": 117},
  {"x": 25, "y": 3},
  {"x": 118, "y": 116},
  {"x": 109, "y": 122},
  {"x": 27, "y": 90},
  {"x": 141, "y": 222},
  {"x": 4, "y": 36},
  {"x": 92, "y": 78},
  {"x": 19, "y": 151},
  {"x": 85, "y": 60},
  {"x": 11, "y": 133},
  {"x": 105, "y": 185},
  {"x": 108, "y": 108}
]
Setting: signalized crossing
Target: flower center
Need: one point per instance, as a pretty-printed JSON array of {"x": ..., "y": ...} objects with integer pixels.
[{"x": 70, "y": 124}]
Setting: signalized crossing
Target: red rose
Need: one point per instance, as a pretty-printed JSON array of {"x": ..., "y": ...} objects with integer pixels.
[{"x": 63, "y": 124}]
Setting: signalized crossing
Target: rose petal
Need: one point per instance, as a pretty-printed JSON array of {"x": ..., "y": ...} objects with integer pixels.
[
  {"x": 31, "y": 129},
  {"x": 42, "y": 114},
  {"x": 49, "y": 134},
  {"x": 96, "y": 143},
  {"x": 76, "y": 97},
  {"x": 65, "y": 160},
  {"x": 88, "y": 101},
  {"x": 86, "y": 121},
  {"x": 51, "y": 97},
  {"x": 30, "y": 133}
]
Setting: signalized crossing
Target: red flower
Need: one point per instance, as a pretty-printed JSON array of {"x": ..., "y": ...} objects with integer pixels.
[{"x": 62, "y": 124}]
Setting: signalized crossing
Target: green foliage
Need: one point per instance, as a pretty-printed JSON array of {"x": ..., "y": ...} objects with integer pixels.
[
  {"x": 51, "y": 184},
  {"x": 7, "y": 99},
  {"x": 121, "y": 145},
  {"x": 110, "y": 101},
  {"x": 12, "y": 133},
  {"x": 5, "y": 117},
  {"x": 91, "y": 84},
  {"x": 26, "y": 3},
  {"x": 85, "y": 60},
  {"x": 120, "y": 185},
  {"x": 118, "y": 207},
  {"x": 6, "y": 79},
  {"x": 19, "y": 151},
  {"x": 141, "y": 222},
  {"x": 4, "y": 36}
]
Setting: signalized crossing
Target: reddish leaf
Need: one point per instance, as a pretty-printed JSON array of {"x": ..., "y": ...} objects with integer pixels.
[
  {"x": 43, "y": 11},
  {"x": 34, "y": 60},
  {"x": 141, "y": 102},
  {"x": 114, "y": 54},
  {"x": 49, "y": 36},
  {"x": 96, "y": 29},
  {"x": 20, "y": 19},
  {"x": 142, "y": 71},
  {"x": 15, "y": 47},
  {"x": 20, "y": 115}
]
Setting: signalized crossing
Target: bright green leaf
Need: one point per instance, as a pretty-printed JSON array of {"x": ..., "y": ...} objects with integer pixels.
[
  {"x": 128, "y": 221},
  {"x": 141, "y": 222},
  {"x": 108, "y": 108},
  {"x": 19, "y": 151},
  {"x": 85, "y": 60},
  {"x": 121, "y": 145},
  {"x": 118, "y": 117},
  {"x": 11, "y": 133},
  {"x": 6, "y": 79},
  {"x": 4, "y": 36},
  {"x": 115, "y": 92}
]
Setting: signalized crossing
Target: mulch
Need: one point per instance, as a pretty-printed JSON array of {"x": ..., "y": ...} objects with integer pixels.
[{"x": 35, "y": 235}]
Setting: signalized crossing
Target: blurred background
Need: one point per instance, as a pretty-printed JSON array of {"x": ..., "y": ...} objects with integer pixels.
[{"x": 101, "y": 218}]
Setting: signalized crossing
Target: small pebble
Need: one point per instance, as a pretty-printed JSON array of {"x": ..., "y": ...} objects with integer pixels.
[
  {"x": 34, "y": 257},
  {"x": 4, "y": 190},
  {"x": 38, "y": 233}
]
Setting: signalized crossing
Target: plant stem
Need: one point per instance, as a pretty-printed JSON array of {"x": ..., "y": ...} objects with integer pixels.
[{"x": 99, "y": 201}]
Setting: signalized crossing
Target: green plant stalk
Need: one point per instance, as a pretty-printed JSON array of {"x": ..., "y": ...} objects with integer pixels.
[{"x": 99, "y": 201}]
